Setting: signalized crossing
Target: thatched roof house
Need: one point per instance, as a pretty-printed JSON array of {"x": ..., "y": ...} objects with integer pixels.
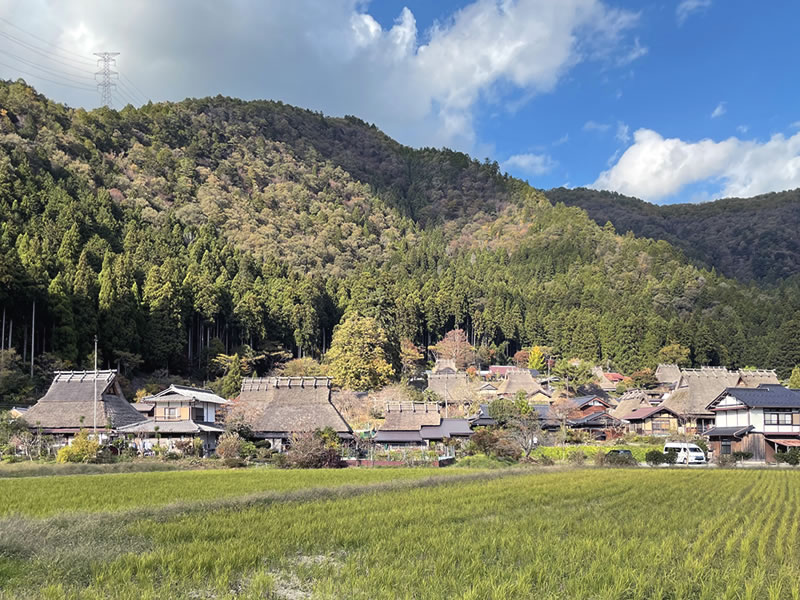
[
  {"x": 276, "y": 407},
  {"x": 418, "y": 424},
  {"x": 69, "y": 403},
  {"x": 519, "y": 380},
  {"x": 669, "y": 374}
]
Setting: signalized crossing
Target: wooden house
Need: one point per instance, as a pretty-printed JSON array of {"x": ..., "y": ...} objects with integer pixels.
[
  {"x": 653, "y": 420},
  {"x": 697, "y": 388},
  {"x": 275, "y": 408},
  {"x": 75, "y": 397},
  {"x": 178, "y": 413},
  {"x": 418, "y": 424},
  {"x": 760, "y": 420}
]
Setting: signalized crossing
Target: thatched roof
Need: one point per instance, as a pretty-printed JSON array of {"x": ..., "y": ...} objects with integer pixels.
[
  {"x": 519, "y": 381},
  {"x": 285, "y": 405},
  {"x": 452, "y": 387},
  {"x": 629, "y": 402},
  {"x": 758, "y": 377},
  {"x": 69, "y": 403},
  {"x": 697, "y": 388},
  {"x": 406, "y": 416},
  {"x": 668, "y": 373}
]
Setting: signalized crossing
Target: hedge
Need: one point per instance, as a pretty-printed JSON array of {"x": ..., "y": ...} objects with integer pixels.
[{"x": 564, "y": 452}]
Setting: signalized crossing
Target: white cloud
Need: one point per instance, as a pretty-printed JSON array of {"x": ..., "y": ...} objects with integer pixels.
[
  {"x": 595, "y": 126},
  {"x": 655, "y": 167},
  {"x": 687, "y": 7},
  {"x": 334, "y": 56},
  {"x": 719, "y": 110},
  {"x": 633, "y": 54},
  {"x": 623, "y": 132},
  {"x": 530, "y": 164}
]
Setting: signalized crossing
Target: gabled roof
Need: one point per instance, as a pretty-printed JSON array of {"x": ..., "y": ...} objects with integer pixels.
[
  {"x": 288, "y": 405},
  {"x": 519, "y": 380},
  {"x": 764, "y": 396},
  {"x": 646, "y": 412},
  {"x": 668, "y": 373},
  {"x": 628, "y": 402},
  {"x": 69, "y": 402},
  {"x": 582, "y": 401},
  {"x": 408, "y": 416},
  {"x": 186, "y": 393}
]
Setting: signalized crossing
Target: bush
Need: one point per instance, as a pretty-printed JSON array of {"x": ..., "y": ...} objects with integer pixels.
[
  {"x": 230, "y": 445},
  {"x": 619, "y": 460},
  {"x": 577, "y": 459},
  {"x": 82, "y": 450},
  {"x": 654, "y": 458},
  {"x": 671, "y": 457},
  {"x": 311, "y": 451},
  {"x": 791, "y": 457}
]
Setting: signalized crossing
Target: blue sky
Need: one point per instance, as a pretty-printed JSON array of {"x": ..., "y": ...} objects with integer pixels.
[{"x": 680, "y": 100}]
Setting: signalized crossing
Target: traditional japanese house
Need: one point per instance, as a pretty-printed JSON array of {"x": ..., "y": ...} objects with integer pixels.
[
  {"x": 418, "y": 424},
  {"x": 653, "y": 420},
  {"x": 77, "y": 400},
  {"x": 762, "y": 421},
  {"x": 178, "y": 413},
  {"x": 275, "y": 408}
]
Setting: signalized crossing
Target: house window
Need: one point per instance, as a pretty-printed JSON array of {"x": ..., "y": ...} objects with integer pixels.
[
  {"x": 725, "y": 447},
  {"x": 171, "y": 412},
  {"x": 778, "y": 416},
  {"x": 661, "y": 425}
]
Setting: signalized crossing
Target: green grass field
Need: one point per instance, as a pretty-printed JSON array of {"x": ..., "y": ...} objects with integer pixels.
[{"x": 591, "y": 533}]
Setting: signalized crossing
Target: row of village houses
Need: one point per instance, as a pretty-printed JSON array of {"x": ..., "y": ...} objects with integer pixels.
[{"x": 736, "y": 410}]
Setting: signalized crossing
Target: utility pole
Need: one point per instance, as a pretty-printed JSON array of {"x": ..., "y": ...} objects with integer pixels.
[
  {"x": 105, "y": 86},
  {"x": 94, "y": 423}
]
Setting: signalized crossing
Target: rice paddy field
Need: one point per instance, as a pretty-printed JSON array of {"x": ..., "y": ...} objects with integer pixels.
[{"x": 588, "y": 533}]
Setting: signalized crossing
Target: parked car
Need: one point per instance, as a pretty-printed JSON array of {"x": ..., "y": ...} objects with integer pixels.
[{"x": 688, "y": 454}]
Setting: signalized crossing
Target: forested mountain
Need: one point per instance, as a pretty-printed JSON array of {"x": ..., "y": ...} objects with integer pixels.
[
  {"x": 750, "y": 239},
  {"x": 180, "y": 230}
]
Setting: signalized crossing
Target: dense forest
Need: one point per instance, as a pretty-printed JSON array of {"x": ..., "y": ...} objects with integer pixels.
[
  {"x": 750, "y": 239},
  {"x": 179, "y": 231}
]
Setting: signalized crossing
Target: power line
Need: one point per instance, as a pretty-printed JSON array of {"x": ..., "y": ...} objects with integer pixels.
[
  {"x": 39, "y": 51},
  {"x": 51, "y": 44},
  {"x": 87, "y": 89},
  {"x": 65, "y": 77}
]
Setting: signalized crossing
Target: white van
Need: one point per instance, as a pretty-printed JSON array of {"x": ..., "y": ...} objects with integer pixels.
[{"x": 688, "y": 454}]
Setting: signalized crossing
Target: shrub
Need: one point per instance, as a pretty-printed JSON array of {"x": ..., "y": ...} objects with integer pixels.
[
  {"x": 82, "y": 450},
  {"x": 311, "y": 451},
  {"x": 577, "y": 458},
  {"x": 619, "y": 460},
  {"x": 654, "y": 458},
  {"x": 671, "y": 457},
  {"x": 791, "y": 457},
  {"x": 230, "y": 445}
]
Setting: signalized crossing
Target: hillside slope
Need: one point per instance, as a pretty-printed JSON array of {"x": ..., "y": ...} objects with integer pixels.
[
  {"x": 180, "y": 230},
  {"x": 744, "y": 238}
]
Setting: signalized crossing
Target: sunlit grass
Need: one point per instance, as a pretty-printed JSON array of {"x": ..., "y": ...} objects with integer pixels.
[{"x": 593, "y": 533}]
